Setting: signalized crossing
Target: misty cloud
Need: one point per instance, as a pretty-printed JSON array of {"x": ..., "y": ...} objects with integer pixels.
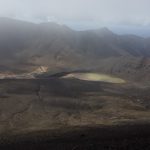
[{"x": 100, "y": 12}]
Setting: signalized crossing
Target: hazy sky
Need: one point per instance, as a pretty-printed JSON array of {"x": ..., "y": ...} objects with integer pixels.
[{"x": 80, "y": 13}]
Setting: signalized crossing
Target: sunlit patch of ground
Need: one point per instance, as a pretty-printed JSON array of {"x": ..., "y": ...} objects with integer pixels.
[{"x": 95, "y": 77}]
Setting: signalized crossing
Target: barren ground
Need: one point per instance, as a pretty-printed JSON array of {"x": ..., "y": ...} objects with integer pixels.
[{"x": 48, "y": 109}]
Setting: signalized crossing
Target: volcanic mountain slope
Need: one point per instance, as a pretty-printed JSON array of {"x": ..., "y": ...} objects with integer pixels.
[{"x": 25, "y": 46}]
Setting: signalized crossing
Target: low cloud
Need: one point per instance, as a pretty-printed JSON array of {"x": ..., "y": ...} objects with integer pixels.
[{"x": 100, "y": 12}]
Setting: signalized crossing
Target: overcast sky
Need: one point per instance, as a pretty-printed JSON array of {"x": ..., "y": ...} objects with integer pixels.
[{"x": 80, "y": 13}]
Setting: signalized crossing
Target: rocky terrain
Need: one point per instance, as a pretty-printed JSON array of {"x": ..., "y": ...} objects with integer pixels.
[
  {"x": 30, "y": 75},
  {"x": 50, "y": 112}
]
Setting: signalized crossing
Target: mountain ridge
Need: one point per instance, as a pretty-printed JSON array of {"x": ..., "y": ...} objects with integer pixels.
[{"x": 25, "y": 46}]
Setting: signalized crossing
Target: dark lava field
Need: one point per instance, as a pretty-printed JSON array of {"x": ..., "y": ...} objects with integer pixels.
[{"x": 71, "y": 114}]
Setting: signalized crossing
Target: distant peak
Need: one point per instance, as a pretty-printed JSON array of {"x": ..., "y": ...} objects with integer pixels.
[
  {"x": 104, "y": 32},
  {"x": 105, "y": 29},
  {"x": 54, "y": 25}
]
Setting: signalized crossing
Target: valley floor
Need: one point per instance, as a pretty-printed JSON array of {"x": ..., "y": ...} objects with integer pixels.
[{"x": 90, "y": 114}]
